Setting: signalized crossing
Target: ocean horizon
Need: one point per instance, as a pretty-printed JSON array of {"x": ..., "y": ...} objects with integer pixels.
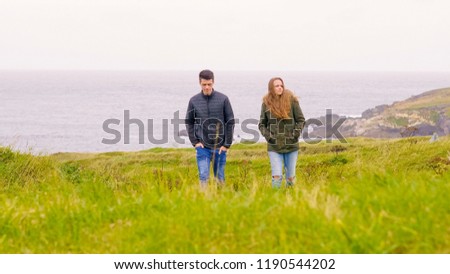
[{"x": 66, "y": 111}]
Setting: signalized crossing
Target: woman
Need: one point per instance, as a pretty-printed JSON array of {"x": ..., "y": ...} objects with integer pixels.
[{"x": 281, "y": 123}]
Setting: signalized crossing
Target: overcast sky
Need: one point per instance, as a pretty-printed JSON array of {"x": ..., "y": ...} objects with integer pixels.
[{"x": 321, "y": 35}]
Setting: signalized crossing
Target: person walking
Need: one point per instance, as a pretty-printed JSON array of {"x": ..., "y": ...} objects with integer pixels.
[
  {"x": 210, "y": 125},
  {"x": 281, "y": 123}
]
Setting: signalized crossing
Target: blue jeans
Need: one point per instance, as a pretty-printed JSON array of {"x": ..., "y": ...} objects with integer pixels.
[
  {"x": 277, "y": 160},
  {"x": 204, "y": 157}
]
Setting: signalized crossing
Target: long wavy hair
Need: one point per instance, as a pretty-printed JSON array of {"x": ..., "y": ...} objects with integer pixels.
[{"x": 279, "y": 105}]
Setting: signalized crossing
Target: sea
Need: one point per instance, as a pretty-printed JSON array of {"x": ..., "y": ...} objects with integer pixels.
[{"x": 45, "y": 112}]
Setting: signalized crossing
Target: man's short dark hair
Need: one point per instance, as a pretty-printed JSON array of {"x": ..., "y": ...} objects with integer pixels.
[{"x": 206, "y": 75}]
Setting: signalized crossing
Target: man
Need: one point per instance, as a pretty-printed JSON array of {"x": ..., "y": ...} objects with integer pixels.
[{"x": 210, "y": 125}]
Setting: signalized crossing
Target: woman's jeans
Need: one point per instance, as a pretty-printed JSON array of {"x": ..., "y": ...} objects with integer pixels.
[
  {"x": 204, "y": 157},
  {"x": 277, "y": 160}
]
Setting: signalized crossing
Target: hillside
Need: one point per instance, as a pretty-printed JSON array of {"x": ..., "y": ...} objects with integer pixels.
[
  {"x": 421, "y": 115},
  {"x": 364, "y": 196}
]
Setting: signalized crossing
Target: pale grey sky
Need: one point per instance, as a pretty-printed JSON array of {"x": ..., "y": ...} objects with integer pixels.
[{"x": 383, "y": 35}]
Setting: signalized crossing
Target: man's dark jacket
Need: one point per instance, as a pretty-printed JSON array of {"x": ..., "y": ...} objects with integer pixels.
[{"x": 210, "y": 120}]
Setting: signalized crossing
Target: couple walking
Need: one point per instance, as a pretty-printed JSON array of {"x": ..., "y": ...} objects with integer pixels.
[{"x": 210, "y": 125}]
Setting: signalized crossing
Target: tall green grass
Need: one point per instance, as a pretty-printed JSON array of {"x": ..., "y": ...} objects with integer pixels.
[{"x": 365, "y": 196}]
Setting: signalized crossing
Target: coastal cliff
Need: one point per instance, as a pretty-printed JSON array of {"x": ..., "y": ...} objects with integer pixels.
[{"x": 420, "y": 115}]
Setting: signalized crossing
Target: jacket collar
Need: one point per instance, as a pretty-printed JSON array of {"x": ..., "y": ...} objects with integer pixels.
[{"x": 208, "y": 96}]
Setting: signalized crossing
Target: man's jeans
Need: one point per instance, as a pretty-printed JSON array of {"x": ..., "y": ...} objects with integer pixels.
[
  {"x": 204, "y": 157},
  {"x": 276, "y": 162}
]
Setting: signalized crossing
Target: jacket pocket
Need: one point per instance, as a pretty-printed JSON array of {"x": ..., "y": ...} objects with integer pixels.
[{"x": 291, "y": 141}]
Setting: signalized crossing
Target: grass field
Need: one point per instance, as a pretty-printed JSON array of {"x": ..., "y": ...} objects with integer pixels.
[{"x": 364, "y": 196}]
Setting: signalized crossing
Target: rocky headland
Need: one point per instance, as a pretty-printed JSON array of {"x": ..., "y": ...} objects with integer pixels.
[{"x": 420, "y": 115}]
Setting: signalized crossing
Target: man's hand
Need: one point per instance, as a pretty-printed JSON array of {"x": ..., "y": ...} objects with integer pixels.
[
  {"x": 199, "y": 144},
  {"x": 222, "y": 148}
]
